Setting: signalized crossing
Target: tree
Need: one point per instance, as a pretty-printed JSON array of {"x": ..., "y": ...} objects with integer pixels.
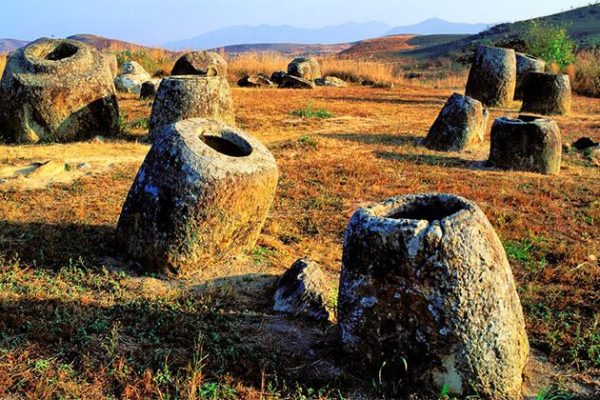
[{"x": 550, "y": 43}]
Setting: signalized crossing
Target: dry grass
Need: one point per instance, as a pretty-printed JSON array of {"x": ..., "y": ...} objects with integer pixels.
[
  {"x": 78, "y": 320},
  {"x": 2, "y": 63},
  {"x": 585, "y": 74}
]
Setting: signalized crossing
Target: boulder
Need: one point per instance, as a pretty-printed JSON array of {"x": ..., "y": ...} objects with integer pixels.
[
  {"x": 546, "y": 94},
  {"x": 149, "y": 88},
  {"x": 191, "y": 96},
  {"x": 277, "y": 77},
  {"x": 203, "y": 192},
  {"x": 525, "y": 65},
  {"x": 305, "y": 68},
  {"x": 528, "y": 143},
  {"x": 293, "y": 82},
  {"x": 427, "y": 295},
  {"x": 493, "y": 76},
  {"x": 57, "y": 90},
  {"x": 330, "y": 81},
  {"x": 202, "y": 63},
  {"x": 133, "y": 75},
  {"x": 461, "y": 123},
  {"x": 258, "y": 80},
  {"x": 301, "y": 291},
  {"x": 111, "y": 60}
]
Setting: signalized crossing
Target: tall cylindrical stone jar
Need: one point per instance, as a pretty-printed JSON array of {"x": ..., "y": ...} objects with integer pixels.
[
  {"x": 191, "y": 96},
  {"x": 525, "y": 65},
  {"x": 426, "y": 293},
  {"x": 493, "y": 76}
]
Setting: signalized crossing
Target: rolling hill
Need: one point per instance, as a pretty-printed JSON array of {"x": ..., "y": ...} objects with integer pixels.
[
  {"x": 437, "y": 26},
  {"x": 8, "y": 45}
]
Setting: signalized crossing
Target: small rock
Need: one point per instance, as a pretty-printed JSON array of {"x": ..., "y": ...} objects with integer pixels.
[
  {"x": 258, "y": 80},
  {"x": 293, "y": 82},
  {"x": 133, "y": 75},
  {"x": 300, "y": 291},
  {"x": 584, "y": 143},
  {"x": 148, "y": 89},
  {"x": 367, "y": 82},
  {"x": 330, "y": 81},
  {"x": 277, "y": 77}
]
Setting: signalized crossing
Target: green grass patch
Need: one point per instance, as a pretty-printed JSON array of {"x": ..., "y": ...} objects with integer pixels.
[{"x": 309, "y": 112}]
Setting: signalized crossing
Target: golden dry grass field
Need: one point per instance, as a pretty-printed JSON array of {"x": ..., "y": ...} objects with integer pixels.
[{"x": 79, "y": 321}]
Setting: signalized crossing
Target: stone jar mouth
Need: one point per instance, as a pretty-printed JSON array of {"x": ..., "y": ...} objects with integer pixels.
[
  {"x": 53, "y": 52},
  {"x": 228, "y": 144},
  {"x": 523, "y": 119},
  {"x": 427, "y": 207}
]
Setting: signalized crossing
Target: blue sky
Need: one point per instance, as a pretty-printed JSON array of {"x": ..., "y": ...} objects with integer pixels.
[{"x": 154, "y": 22}]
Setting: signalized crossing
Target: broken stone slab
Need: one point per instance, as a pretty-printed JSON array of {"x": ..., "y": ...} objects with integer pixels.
[
  {"x": 546, "y": 94},
  {"x": 293, "y": 82},
  {"x": 525, "y": 65},
  {"x": 305, "y": 68},
  {"x": 461, "y": 123},
  {"x": 190, "y": 96},
  {"x": 258, "y": 80},
  {"x": 203, "y": 192},
  {"x": 201, "y": 63},
  {"x": 426, "y": 290},
  {"x": 301, "y": 291},
  {"x": 528, "y": 143},
  {"x": 57, "y": 90},
  {"x": 493, "y": 76}
]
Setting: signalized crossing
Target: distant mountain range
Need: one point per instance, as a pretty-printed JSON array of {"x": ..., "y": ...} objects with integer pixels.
[
  {"x": 8, "y": 45},
  {"x": 344, "y": 33}
]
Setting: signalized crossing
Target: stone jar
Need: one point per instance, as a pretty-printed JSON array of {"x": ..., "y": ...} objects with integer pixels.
[
  {"x": 547, "y": 94},
  {"x": 525, "y": 65},
  {"x": 528, "y": 143},
  {"x": 57, "y": 90},
  {"x": 203, "y": 192},
  {"x": 461, "y": 123},
  {"x": 190, "y": 96},
  {"x": 426, "y": 288},
  {"x": 305, "y": 68},
  {"x": 493, "y": 76},
  {"x": 201, "y": 63}
]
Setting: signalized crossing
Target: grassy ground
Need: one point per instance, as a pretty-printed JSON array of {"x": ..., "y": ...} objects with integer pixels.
[{"x": 79, "y": 321}]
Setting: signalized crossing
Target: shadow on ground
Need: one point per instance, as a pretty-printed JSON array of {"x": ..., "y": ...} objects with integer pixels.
[
  {"x": 421, "y": 101},
  {"x": 433, "y": 160}
]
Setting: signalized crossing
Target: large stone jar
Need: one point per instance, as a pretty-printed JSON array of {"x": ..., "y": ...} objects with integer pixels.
[
  {"x": 57, "y": 90},
  {"x": 525, "y": 65},
  {"x": 547, "y": 94},
  {"x": 191, "y": 96},
  {"x": 202, "y": 63},
  {"x": 528, "y": 143},
  {"x": 426, "y": 293},
  {"x": 203, "y": 192},
  {"x": 492, "y": 78}
]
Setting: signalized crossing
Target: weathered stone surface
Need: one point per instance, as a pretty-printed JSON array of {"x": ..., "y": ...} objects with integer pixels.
[
  {"x": 461, "y": 123},
  {"x": 149, "y": 89},
  {"x": 133, "y": 75},
  {"x": 57, "y": 90},
  {"x": 301, "y": 291},
  {"x": 293, "y": 82},
  {"x": 202, "y": 63},
  {"x": 547, "y": 94},
  {"x": 111, "y": 60},
  {"x": 258, "y": 80},
  {"x": 528, "y": 144},
  {"x": 305, "y": 68},
  {"x": 330, "y": 81},
  {"x": 525, "y": 65},
  {"x": 203, "y": 192},
  {"x": 426, "y": 287},
  {"x": 493, "y": 75},
  {"x": 190, "y": 96},
  {"x": 277, "y": 77}
]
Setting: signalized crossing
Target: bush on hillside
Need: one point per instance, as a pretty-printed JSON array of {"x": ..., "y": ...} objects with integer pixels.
[{"x": 550, "y": 43}]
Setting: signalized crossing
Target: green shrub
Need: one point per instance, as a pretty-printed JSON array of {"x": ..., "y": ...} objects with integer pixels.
[
  {"x": 309, "y": 112},
  {"x": 551, "y": 43}
]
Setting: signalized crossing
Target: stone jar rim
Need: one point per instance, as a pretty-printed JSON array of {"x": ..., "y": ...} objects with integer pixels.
[
  {"x": 428, "y": 207},
  {"x": 69, "y": 54},
  {"x": 524, "y": 119}
]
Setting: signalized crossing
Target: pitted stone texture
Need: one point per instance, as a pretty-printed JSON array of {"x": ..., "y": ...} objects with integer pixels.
[
  {"x": 203, "y": 192},
  {"x": 188, "y": 96},
  {"x": 305, "y": 68},
  {"x": 133, "y": 75},
  {"x": 330, "y": 81},
  {"x": 57, "y": 90},
  {"x": 525, "y": 65},
  {"x": 202, "y": 63},
  {"x": 528, "y": 143},
  {"x": 461, "y": 123},
  {"x": 257, "y": 80},
  {"x": 301, "y": 291},
  {"x": 426, "y": 284},
  {"x": 492, "y": 79},
  {"x": 547, "y": 94},
  {"x": 293, "y": 82}
]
